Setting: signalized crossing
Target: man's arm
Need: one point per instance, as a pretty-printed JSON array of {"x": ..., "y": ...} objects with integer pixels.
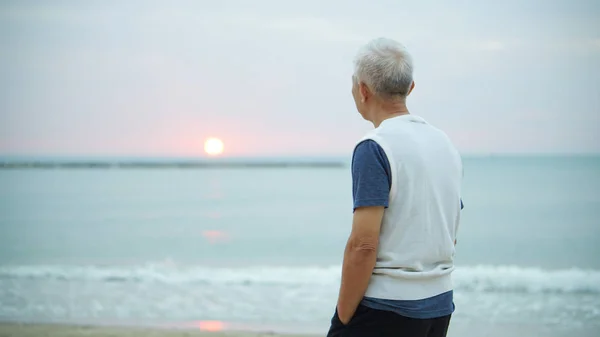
[
  {"x": 359, "y": 259},
  {"x": 371, "y": 181}
]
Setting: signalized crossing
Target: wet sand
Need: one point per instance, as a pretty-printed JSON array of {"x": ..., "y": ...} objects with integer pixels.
[{"x": 52, "y": 330}]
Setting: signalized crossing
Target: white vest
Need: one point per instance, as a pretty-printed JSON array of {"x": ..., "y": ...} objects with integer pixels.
[{"x": 416, "y": 246}]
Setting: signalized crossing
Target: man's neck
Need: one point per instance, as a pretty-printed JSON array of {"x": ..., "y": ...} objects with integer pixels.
[
  {"x": 381, "y": 115},
  {"x": 388, "y": 109}
]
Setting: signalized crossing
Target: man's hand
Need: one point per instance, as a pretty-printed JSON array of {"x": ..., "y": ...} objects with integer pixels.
[
  {"x": 346, "y": 319},
  {"x": 359, "y": 259}
]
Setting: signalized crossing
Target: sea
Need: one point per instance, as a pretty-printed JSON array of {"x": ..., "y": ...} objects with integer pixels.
[{"x": 261, "y": 247}]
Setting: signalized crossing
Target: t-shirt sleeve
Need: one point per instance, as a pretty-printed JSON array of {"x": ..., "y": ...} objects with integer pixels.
[{"x": 371, "y": 175}]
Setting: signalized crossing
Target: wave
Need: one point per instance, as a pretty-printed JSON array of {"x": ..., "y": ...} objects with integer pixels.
[
  {"x": 485, "y": 279},
  {"x": 526, "y": 280}
]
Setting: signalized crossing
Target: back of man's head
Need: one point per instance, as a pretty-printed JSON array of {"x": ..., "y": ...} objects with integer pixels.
[{"x": 386, "y": 67}]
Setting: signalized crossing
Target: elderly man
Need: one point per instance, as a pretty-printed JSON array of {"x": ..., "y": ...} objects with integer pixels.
[{"x": 406, "y": 178}]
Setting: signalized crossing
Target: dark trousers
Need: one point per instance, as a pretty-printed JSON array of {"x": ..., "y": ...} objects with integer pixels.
[{"x": 368, "y": 322}]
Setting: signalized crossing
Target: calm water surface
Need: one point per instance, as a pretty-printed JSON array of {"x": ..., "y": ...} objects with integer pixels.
[{"x": 264, "y": 246}]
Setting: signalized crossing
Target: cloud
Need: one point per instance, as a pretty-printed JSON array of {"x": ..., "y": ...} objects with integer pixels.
[
  {"x": 491, "y": 45},
  {"x": 316, "y": 28},
  {"x": 594, "y": 43},
  {"x": 56, "y": 14},
  {"x": 566, "y": 45}
]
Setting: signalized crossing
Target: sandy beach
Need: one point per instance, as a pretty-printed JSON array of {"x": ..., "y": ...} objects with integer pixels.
[
  {"x": 456, "y": 330},
  {"x": 52, "y": 330}
]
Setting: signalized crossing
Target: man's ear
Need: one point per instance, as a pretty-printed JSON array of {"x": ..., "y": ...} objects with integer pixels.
[
  {"x": 412, "y": 86},
  {"x": 364, "y": 92}
]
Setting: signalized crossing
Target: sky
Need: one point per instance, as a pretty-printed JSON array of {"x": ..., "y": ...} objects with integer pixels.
[{"x": 273, "y": 77}]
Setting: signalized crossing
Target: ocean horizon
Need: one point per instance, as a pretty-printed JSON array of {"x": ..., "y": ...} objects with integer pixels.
[{"x": 83, "y": 161}]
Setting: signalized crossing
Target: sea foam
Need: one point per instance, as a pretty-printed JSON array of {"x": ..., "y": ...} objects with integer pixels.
[{"x": 485, "y": 278}]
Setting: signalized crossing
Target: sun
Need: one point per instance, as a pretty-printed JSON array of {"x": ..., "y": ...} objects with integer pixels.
[{"x": 213, "y": 146}]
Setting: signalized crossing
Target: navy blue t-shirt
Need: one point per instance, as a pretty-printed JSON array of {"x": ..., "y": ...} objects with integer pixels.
[{"x": 371, "y": 183}]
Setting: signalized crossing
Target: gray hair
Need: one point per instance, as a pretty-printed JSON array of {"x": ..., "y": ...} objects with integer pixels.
[{"x": 386, "y": 67}]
